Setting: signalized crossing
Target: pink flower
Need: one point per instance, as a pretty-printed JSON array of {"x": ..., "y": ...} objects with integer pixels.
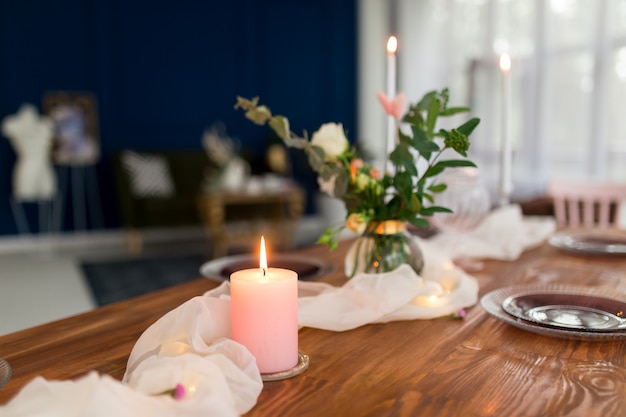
[
  {"x": 358, "y": 163},
  {"x": 459, "y": 314},
  {"x": 375, "y": 173},
  {"x": 392, "y": 107},
  {"x": 179, "y": 392}
]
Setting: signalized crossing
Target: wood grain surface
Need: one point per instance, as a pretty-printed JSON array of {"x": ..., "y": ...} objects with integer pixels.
[{"x": 477, "y": 366}]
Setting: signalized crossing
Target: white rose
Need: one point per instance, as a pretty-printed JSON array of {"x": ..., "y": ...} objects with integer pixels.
[{"x": 332, "y": 139}]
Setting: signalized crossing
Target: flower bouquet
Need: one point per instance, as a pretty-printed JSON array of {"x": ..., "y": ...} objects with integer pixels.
[{"x": 380, "y": 204}]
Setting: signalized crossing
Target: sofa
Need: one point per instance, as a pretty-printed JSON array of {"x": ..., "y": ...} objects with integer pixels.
[{"x": 158, "y": 188}]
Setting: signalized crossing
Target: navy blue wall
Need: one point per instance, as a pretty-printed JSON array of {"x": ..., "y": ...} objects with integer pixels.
[{"x": 163, "y": 71}]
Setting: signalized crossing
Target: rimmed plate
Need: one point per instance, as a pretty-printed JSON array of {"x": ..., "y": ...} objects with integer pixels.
[
  {"x": 307, "y": 268},
  {"x": 597, "y": 243},
  {"x": 493, "y": 303},
  {"x": 570, "y": 310},
  {"x": 5, "y": 372}
]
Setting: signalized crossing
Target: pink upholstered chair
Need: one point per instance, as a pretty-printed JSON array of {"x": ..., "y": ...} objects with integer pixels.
[{"x": 586, "y": 204}]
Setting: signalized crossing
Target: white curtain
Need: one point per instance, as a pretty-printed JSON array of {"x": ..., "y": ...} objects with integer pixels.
[{"x": 568, "y": 80}]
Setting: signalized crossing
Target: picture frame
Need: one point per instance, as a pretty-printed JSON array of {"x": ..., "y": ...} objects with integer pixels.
[{"x": 76, "y": 139}]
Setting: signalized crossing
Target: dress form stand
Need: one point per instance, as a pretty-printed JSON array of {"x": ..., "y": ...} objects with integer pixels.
[
  {"x": 34, "y": 179},
  {"x": 48, "y": 218}
]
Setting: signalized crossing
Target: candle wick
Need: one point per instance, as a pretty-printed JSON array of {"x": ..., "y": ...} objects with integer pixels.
[{"x": 264, "y": 271}]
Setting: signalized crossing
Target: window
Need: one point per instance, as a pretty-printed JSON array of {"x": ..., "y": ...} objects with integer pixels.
[{"x": 568, "y": 79}]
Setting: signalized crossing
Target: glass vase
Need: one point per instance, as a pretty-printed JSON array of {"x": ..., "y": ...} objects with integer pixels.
[
  {"x": 383, "y": 247},
  {"x": 466, "y": 196}
]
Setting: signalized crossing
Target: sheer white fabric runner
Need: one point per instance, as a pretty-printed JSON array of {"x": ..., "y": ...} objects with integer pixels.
[
  {"x": 191, "y": 345},
  {"x": 504, "y": 234}
]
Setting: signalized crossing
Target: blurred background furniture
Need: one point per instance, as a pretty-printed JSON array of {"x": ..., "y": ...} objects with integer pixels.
[
  {"x": 240, "y": 218},
  {"x": 158, "y": 189},
  {"x": 588, "y": 204},
  {"x": 538, "y": 206}
]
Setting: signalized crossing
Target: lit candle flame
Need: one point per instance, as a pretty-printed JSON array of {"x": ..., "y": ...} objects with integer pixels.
[
  {"x": 263, "y": 257},
  {"x": 392, "y": 45},
  {"x": 505, "y": 63}
]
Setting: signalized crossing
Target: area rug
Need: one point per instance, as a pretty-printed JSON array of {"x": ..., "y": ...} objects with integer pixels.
[{"x": 122, "y": 279}]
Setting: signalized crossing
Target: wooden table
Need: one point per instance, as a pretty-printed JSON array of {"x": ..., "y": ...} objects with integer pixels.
[
  {"x": 274, "y": 214},
  {"x": 478, "y": 366}
]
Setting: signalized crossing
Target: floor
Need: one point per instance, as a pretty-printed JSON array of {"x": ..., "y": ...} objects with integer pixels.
[{"x": 41, "y": 280}]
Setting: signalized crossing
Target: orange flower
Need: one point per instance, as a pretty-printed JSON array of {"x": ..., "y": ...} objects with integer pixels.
[
  {"x": 355, "y": 164},
  {"x": 356, "y": 223}
]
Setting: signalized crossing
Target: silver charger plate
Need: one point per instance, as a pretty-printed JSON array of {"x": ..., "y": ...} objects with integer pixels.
[
  {"x": 5, "y": 372},
  {"x": 307, "y": 268},
  {"x": 592, "y": 242},
  {"x": 493, "y": 303},
  {"x": 569, "y": 310}
]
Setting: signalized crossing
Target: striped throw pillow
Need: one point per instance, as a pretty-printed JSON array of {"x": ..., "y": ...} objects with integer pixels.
[{"x": 149, "y": 175}]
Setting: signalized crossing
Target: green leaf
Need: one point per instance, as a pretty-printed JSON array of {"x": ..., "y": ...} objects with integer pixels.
[
  {"x": 443, "y": 133},
  {"x": 392, "y": 207},
  {"x": 429, "y": 211},
  {"x": 351, "y": 202},
  {"x": 418, "y": 134},
  {"x": 468, "y": 127},
  {"x": 413, "y": 116},
  {"x": 329, "y": 238},
  {"x": 437, "y": 188},
  {"x": 326, "y": 237},
  {"x": 434, "y": 170},
  {"x": 431, "y": 118},
  {"x": 400, "y": 155},
  {"x": 403, "y": 181},
  {"x": 453, "y": 163},
  {"x": 316, "y": 158},
  {"x": 424, "y": 103},
  {"x": 419, "y": 222},
  {"x": 416, "y": 204},
  {"x": 341, "y": 183},
  {"x": 454, "y": 110},
  {"x": 410, "y": 167},
  {"x": 404, "y": 138},
  {"x": 396, "y": 156},
  {"x": 326, "y": 173},
  {"x": 422, "y": 144},
  {"x": 386, "y": 182},
  {"x": 246, "y": 104},
  {"x": 280, "y": 125}
]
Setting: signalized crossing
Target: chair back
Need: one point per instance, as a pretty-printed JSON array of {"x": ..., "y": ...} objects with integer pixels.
[{"x": 586, "y": 204}]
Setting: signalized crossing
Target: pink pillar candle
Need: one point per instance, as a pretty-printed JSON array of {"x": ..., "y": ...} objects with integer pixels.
[{"x": 264, "y": 316}]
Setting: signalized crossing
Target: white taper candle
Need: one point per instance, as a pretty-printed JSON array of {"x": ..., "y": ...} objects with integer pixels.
[{"x": 506, "y": 182}]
